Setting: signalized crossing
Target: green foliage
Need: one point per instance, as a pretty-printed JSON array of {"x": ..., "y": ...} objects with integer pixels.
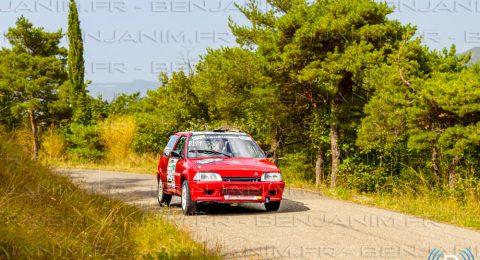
[
  {"x": 366, "y": 177},
  {"x": 295, "y": 168},
  {"x": 31, "y": 75},
  {"x": 152, "y": 134},
  {"x": 124, "y": 104},
  {"x": 319, "y": 53},
  {"x": 76, "y": 65},
  {"x": 84, "y": 142}
]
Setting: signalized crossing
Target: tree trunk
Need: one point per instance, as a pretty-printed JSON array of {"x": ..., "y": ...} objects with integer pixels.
[
  {"x": 436, "y": 169},
  {"x": 275, "y": 156},
  {"x": 451, "y": 172},
  {"x": 319, "y": 167},
  {"x": 335, "y": 155},
  {"x": 33, "y": 126},
  {"x": 275, "y": 146}
]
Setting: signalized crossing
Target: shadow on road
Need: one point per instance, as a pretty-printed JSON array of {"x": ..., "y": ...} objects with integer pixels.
[{"x": 245, "y": 208}]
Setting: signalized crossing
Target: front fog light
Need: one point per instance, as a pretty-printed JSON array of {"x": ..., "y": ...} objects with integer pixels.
[{"x": 271, "y": 176}]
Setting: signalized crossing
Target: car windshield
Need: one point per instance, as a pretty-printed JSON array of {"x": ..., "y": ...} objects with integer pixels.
[{"x": 223, "y": 145}]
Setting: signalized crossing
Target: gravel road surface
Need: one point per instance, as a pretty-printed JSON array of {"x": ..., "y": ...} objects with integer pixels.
[{"x": 307, "y": 226}]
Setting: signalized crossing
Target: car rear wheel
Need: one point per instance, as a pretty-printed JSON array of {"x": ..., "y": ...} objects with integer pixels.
[
  {"x": 189, "y": 207},
  {"x": 272, "y": 206},
  {"x": 163, "y": 199}
]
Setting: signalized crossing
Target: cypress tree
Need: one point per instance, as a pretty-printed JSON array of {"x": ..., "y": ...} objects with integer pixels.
[{"x": 76, "y": 66}]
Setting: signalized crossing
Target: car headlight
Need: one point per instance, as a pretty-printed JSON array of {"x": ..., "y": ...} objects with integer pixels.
[
  {"x": 271, "y": 176},
  {"x": 207, "y": 176}
]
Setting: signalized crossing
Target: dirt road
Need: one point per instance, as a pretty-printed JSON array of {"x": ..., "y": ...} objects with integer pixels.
[{"x": 307, "y": 226}]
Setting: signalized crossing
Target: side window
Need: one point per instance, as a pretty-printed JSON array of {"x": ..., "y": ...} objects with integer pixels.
[
  {"x": 171, "y": 143},
  {"x": 181, "y": 145}
]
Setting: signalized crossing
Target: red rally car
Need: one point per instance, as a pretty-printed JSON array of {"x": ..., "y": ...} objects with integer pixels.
[{"x": 226, "y": 167}]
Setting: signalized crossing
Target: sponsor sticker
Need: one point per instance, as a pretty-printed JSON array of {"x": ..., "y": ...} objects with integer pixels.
[
  {"x": 206, "y": 161},
  {"x": 198, "y": 137}
]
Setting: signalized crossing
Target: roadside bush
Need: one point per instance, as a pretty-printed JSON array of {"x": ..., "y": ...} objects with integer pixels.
[
  {"x": 151, "y": 134},
  {"x": 366, "y": 178},
  {"x": 83, "y": 143},
  {"x": 296, "y": 168},
  {"x": 467, "y": 190}
]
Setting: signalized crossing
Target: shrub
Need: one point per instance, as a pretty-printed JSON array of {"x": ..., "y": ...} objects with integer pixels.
[
  {"x": 366, "y": 178},
  {"x": 296, "y": 168},
  {"x": 83, "y": 142},
  {"x": 467, "y": 190},
  {"x": 152, "y": 134}
]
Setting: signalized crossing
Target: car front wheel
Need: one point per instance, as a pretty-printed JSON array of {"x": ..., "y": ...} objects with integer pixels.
[
  {"x": 189, "y": 207},
  {"x": 272, "y": 205},
  {"x": 163, "y": 199}
]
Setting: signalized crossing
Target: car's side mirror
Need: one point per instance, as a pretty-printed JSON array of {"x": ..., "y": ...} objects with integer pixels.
[
  {"x": 268, "y": 154},
  {"x": 175, "y": 154}
]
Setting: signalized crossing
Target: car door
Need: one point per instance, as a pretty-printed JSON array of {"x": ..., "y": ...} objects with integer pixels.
[
  {"x": 163, "y": 164},
  {"x": 176, "y": 166}
]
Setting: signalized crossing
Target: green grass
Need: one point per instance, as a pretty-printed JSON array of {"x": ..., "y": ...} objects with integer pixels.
[
  {"x": 430, "y": 205},
  {"x": 45, "y": 216}
]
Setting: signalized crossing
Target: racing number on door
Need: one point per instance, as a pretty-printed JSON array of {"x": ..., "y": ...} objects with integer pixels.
[{"x": 172, "y": 165}]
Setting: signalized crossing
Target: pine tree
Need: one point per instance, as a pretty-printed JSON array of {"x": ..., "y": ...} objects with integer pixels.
[
  {"x": 31, "y": 75},
  {"x": 76, "y": 66},
  {"x": 318, "y": 52}
]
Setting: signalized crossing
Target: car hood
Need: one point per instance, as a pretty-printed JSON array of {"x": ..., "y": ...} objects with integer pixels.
[{"x": 235, "y": 167}]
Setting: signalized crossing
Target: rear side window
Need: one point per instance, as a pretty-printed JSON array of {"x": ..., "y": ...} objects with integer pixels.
[{"x": 171, "y": 143}]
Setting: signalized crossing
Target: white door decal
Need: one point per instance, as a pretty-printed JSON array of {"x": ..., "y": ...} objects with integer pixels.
[{"x": 172, "y": 165}]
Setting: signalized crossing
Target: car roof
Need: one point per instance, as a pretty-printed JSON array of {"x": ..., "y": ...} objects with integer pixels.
[{"x": 212, "y": 133}]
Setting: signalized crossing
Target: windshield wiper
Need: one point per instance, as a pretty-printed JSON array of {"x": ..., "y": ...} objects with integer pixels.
[{"x": 210, "y": 152}]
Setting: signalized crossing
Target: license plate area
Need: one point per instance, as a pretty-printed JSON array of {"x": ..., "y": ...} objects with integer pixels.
[
  {"x": 242, "y": 197},
  {"x": 241, "y": 192}
]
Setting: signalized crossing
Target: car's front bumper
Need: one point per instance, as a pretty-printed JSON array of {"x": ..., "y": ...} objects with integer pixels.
[{"x": 236, "y": 191}]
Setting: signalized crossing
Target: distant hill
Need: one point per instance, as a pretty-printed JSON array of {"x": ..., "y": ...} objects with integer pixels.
[
  {"x": 110, "y": 90},
  {"x": 475, "y": 54}
]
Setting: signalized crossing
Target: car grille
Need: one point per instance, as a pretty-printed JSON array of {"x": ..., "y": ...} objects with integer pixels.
[
  {"x": 240, "y": 179},
  {"x": 244, "y": 192}
]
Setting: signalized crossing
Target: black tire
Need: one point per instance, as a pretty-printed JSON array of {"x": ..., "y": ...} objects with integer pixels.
[
  {"x": 163, "y": 198},
  {"x": 272, "y": 205},
  {"x": 189, "y": 207}
]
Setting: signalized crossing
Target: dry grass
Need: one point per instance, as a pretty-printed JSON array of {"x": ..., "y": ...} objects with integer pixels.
[
  {"x": 44, "y": 216},
  {"x": 431, "y": 205},
  {"x": 53, "y": 146},
  {"x": 24, "y": 139},
  {"x": 117, "y": 134},
  {"x": 137, "y": 163}
]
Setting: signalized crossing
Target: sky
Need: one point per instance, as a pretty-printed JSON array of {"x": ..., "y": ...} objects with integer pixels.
[{"x": 127, "y": 40}]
